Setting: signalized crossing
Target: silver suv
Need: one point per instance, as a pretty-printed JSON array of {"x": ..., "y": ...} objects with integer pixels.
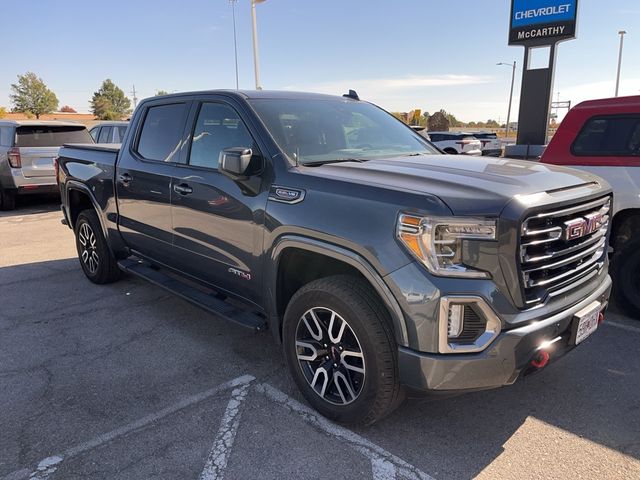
[{"x": 27, "y": 152}]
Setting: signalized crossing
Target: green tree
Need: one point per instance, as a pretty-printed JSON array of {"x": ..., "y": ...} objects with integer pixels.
[
  {"x": 161, "y": 92},
  {"x": 492, "y": 124},
  {"x": 31, "y": 95},
  {"x": 3, "y": 112},
  {"x": 109, "y": 102}
]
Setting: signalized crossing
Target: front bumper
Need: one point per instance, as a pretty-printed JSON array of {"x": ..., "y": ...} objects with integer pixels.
[{"x": 508, "y": 356}]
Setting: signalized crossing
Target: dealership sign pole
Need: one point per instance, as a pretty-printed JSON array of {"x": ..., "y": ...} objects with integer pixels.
[{"x": 539, "y": 25}]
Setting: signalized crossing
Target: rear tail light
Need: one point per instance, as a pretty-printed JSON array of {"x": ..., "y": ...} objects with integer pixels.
[
  {"x": 14, "y": 157},
  {"x": 56, "y": 169}
]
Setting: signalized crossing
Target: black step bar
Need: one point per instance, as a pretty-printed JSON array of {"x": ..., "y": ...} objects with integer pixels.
[{"x": 208, "y": 301}]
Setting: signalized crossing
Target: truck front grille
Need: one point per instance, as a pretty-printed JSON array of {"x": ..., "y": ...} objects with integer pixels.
[{"x": 562, "y": 248}]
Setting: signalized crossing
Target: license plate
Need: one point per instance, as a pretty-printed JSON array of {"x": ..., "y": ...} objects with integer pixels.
[{"x": 586, "y": 322}]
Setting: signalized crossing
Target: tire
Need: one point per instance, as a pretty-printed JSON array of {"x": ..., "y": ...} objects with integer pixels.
[
  {"x": 354, "y": 380},
  {"x": 7, "y": 200},
  {"x": 96, "y": 260},
  {"x": 451, "y": 151},
  {"x": 625, "y": 266}
]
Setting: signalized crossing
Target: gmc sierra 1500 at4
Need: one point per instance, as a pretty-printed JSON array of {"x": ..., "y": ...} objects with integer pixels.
[{"x": 379, "y": 264}]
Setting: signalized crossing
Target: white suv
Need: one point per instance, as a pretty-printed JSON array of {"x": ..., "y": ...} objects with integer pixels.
[
  {"x": 490, "y": 143},
  {"x": 456, "y": 142}
]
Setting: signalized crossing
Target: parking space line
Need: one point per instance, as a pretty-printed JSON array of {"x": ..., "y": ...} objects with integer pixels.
[
  {"x": 628, "y": 328},
  {"x": 48, "y": 466},
  {"x": 219, "y": 454},
  {"x": 375, "y": 453}
]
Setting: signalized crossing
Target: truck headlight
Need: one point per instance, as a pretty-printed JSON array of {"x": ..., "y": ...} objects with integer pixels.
[{"x": 437, "y": 242}]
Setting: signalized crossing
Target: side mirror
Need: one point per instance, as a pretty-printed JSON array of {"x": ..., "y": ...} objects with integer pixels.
[{"x": 234, "y": 162}]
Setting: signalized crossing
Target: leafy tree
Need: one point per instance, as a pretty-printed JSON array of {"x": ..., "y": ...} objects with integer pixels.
[
  {"x": 3, "y": 112},
  {"x": 110, "y": 102},
  {"x": 31, "y": 95},
  {"x": 68, "y": 109},
  {"x": 492, "y": 124},
  {"x": 161, "y": 92}
]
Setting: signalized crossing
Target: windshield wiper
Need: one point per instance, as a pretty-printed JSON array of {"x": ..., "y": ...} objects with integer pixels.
[{"x": 337, "y": 160}]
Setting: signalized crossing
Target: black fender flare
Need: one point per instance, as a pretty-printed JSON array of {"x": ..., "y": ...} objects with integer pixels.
[
  {"x": 74, "y": 185},
  {"x": 339, "y": 253}
]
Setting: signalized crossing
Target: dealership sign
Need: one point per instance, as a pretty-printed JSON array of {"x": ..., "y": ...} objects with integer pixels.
[{"x": 542, "y": 21}]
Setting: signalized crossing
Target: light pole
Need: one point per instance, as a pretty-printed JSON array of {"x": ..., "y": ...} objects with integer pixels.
[
  {"x": 256, "y": 63},
  {"x": 622, "y": 33},
  {"x": 235, "y": 38},
  {"x": 513, "y": 77}
]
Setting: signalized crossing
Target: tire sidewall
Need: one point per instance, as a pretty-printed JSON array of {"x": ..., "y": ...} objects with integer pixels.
[
  {"x": 625, "y": 268},
  {"x": 359, "y": 408}
]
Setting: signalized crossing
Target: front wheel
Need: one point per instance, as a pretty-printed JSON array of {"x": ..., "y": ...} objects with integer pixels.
[
  {"x": 96, "y": 260},
  {"x": 625, "y": 266},
  {"x": 341, "y": 351}
]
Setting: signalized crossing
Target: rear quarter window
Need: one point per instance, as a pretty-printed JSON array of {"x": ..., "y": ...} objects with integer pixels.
[
  {"x": 6, "y": 136},
  {"x": 161, "y": 132},
  {"x": 51, "y": 135},
  {"x": 604, "y": 136}
]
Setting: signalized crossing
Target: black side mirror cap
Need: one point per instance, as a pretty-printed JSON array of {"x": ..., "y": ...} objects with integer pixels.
[{"x": 234, "y": 162}]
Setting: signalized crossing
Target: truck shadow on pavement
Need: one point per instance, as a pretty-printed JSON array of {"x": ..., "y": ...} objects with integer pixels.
[{"x": 77, "y": 359}]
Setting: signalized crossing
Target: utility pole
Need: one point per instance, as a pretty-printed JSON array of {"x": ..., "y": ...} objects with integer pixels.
[
  {"x": 622, "y": 33},
  {"x": 135, "y": 99},
  {"x": 513, "y": 77},
  {"x": 256, "y": 63},
  {"x": 235, "y": 38}
]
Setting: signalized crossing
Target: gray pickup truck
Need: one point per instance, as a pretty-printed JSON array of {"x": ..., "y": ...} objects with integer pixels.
[{"x": 381, "y": 266}]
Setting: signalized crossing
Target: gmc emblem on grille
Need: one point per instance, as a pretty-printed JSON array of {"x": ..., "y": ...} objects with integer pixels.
[{"x": 579, "y": 227}]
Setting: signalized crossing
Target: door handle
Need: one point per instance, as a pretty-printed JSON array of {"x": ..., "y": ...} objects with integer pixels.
[
  {"x": 125, "y": 178},
  {"x": 183, "y": 189}
]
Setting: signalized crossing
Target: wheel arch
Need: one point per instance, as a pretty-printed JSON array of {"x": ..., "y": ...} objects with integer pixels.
[
  {"x": 79, "y": 198},
  {"x": 335, "y": 260},
  {"x": 625, "y": 223}
]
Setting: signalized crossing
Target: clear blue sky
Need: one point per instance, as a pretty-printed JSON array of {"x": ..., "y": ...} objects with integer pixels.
[{"x": 400, "y": 54}]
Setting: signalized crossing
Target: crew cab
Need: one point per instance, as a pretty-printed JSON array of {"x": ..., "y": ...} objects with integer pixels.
[
  {"x": 380, "y": 265},
  {"x": 603, "y": 137},
  {"x": 27, "y": 150}
]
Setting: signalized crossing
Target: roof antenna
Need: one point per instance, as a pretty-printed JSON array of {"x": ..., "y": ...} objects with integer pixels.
[{"x": 352, "y": 94}]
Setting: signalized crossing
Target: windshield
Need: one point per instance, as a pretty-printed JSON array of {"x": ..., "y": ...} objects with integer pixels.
[{"x": 317, "y": 131}]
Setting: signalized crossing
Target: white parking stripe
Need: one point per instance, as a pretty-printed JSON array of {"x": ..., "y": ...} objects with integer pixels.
[
  {"x": 383, "y": 470},
  {"x": 47, "y": 466},
  {"x": 361, "y": 444},
  {"x": 628, "y": 328},
  {"x": 219, "y": 454}
]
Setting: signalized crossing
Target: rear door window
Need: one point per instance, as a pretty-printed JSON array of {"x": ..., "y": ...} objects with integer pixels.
[
  {"x": 105, "y": 135},
  {"x": 119, "y": 134},
  {"x": 161, "y": 132},
  {"x": 6, "y": 136},
  {"x": 617, "y": 136},
  {"x": 51, "y": 135}
]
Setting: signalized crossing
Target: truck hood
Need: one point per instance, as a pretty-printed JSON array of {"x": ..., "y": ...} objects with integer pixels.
[{"x": 468, "y": 185}]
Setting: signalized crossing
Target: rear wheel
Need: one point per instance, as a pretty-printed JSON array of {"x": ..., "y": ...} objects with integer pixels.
[
  {"x": 7, "y": 200},
  {"x": 341, "y": 351},
  {"x": 96, "y": 260},
  {"x": 451, "y": 151},
  {"x": 625, "y": 266}
]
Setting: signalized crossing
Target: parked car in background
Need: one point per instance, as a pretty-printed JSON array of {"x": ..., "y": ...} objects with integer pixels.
[
  {"x": 109, "y": 132},
  {"x": 268, "y": 203},
  {"x": 490, "y": 143},
  {"x": 603, "y": 137},
  {"x": 456, "y": 143},
  {"x": 27, "y": 152}
]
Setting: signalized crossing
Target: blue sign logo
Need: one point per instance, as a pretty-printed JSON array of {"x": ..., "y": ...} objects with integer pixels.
[{"x": 533, "y": 12}]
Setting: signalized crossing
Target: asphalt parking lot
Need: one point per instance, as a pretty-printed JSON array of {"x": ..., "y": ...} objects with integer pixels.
[{"x": 126, "y": 381}]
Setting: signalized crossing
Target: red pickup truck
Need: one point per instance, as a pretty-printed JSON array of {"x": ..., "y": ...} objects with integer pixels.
[{"x": 603, "y": 137}]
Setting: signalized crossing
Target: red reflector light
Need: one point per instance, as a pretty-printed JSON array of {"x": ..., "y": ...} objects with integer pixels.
[
  {"x": 600, "y": 318},
  {"x": 540, "y": 360},
  {"x": 14, "y": 157}
]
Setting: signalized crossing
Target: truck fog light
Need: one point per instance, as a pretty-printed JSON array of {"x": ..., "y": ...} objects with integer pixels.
[{"x": 455, "y": 321}]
